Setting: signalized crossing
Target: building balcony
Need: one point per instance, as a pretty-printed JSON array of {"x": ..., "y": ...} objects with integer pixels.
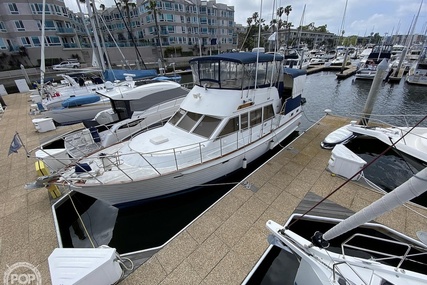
[
  {"x": 70, "y": 45},
  {"x": 65, "y": 31}
]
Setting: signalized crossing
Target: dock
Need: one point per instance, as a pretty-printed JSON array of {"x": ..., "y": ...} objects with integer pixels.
[
  {"x": 223, "y": 244},
  {"x": 398, "y": 77},
  {"x": 341, "y": 74}
]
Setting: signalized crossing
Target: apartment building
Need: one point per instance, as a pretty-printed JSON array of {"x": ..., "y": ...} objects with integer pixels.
[
  {"x": 20, "y": 31},
  {"x": 185, "y": 26}
]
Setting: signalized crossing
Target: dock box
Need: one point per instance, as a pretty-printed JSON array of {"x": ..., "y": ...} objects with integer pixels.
[
  {"x": 44, "y": 125},
  {"x": 54, "y": 159},
  {"x": 344, "y": 162}
]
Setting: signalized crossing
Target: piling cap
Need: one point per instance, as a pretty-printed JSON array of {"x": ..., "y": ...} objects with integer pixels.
[{"x": 383, "y": 65}]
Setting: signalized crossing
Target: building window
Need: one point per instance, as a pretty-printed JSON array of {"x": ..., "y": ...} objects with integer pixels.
[
  {"x": 26, "y": 42},
  {"x": 53, "y": 41},
  {"x": 13, "y": 8},
  {"x": 2, "y": 44},
  {"x": 2, "y": 27},
  {"x": 36, "y": 41},
  {"x": 19, "y": 26},
  {"x": 37, "y": 8}
]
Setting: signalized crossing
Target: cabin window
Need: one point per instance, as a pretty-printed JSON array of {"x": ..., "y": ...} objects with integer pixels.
[
  {"x": 209, "y": 70},
  {"x": 231, "y": 127},
  {"x": 268, "y": 112},
  {"x": 256, "y": 117},
  {"x": 207, "y": 126},
  {"x": 244, "y": 121},
  {"x": 176, "y": 117},
  {"x": 231, "y": 75},
  {"x": 131, "y": 124},
  {"x": 189, "y": 121}
]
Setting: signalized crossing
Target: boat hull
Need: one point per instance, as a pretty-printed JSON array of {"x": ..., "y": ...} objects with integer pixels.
[
  {"x": 67, "y": 116},
  {"x": 122, "y": 193}
]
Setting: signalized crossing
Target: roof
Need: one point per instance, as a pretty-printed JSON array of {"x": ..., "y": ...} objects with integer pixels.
[{"x": 240, "y": 57}]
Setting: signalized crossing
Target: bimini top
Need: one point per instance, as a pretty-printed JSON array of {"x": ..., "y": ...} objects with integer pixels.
[
  {"x": 240, "y": 57},
  {"x": 294, "y": 72}
]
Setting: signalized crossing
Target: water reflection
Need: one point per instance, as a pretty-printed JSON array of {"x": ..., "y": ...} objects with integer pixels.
[{"x": 346, "y": 97}]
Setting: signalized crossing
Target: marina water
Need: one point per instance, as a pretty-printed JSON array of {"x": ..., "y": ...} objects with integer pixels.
[{"x": 153, "y": 223}]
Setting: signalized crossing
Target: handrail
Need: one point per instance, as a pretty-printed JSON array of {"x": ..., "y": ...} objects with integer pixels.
[
  {"x": 220, "y": 148},
  {"x": 381, "y": 119},
  {"x": 402, "y": 258}
]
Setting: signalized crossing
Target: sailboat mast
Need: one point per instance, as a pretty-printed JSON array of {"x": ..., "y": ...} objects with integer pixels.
[
  {"x": 413, "y": 26},
  {"x": 342, "y": 23},
  {"x": 42, "y": 45},
  {"x": 300, "y": 27}
]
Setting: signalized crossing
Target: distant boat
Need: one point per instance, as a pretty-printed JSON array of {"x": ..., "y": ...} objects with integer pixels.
[
  {"x": 418, "y": 72},
  {"x": 238, "y": 109},
  {"x": 368, "y": 65},
  {"x": 86, "y": 107}
]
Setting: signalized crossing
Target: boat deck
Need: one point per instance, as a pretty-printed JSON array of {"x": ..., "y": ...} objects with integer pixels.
[{"x": 224, "y": 243}]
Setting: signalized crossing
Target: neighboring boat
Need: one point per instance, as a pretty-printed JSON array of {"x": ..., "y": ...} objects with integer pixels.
[
  {"x": 314, "y": 61},
  {"x": 339, "y": 61},
  {"x": 351, "y": 252},
  {"x": 238, "y": 109},
  {"x": 69, "y": 87},
  {"x": 293, "y": 59},
  {"x": 410, "y": 141},
  {"x": 86, "y": 107},
  {"x": 418, "y": 72},
  {"x": 368, "y": 64}
]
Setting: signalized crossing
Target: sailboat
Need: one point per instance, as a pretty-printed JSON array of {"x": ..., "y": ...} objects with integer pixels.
[{"x": 361, "y": 258}]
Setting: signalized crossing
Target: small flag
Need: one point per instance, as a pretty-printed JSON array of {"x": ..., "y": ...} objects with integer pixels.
[
  {"x": 272, "y": 37},
  {"x": 15, "y": 144}
]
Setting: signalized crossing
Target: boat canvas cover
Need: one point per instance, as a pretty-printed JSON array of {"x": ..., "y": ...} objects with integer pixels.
[
  {"x": 241, "y": 57},
  {"x": 119, "y": 74},
  {"x": 80, "y": 100}
]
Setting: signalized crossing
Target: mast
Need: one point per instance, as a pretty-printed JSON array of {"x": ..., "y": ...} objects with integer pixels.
[
  {"x": 412, "y": 188},
  {"x": 300, "y": 28},
  {"x": 95, "y": 34},
  {"x": 42, "y": 44},
  {"x": 342, "y": 23},
  {"x": 413, "y": 26}
]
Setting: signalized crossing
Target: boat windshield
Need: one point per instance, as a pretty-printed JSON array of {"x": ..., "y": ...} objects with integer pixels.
[
  {"x": 199, "y": 124},
  {"x": 224, "y": 74}
]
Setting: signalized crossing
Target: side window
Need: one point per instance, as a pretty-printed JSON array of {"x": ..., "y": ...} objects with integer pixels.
[
  {"x": 268, "y": 112},
  {"x": 244, "y": 121},
  {"x": 256, "y": 117},
  {"x": 231, "y": 127}
]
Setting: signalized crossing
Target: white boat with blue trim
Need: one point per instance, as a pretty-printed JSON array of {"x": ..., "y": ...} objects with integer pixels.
[{"x": 242, "y": 105}]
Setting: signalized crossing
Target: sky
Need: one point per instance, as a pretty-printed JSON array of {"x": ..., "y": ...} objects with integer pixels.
[{"x": 362, "y": 17}]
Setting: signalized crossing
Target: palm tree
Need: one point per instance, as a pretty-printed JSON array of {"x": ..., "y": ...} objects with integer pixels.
[
  {"x": 287, "y": 11},
  {"x": 127, "y": 4},
  {"x": 152, "y": 9}
]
